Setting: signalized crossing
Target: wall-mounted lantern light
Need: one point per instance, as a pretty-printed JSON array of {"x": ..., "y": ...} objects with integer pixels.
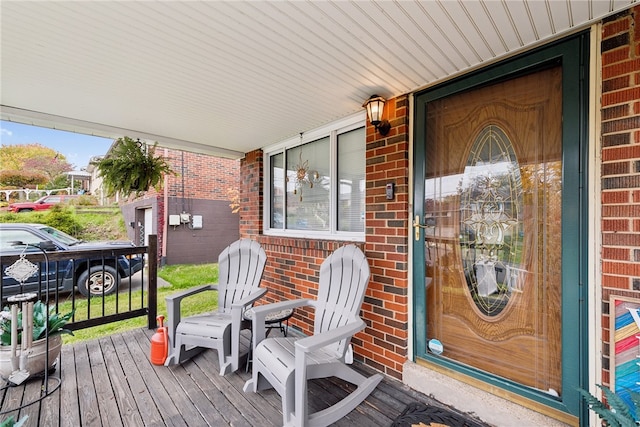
[{"x": 375, "y": 108}]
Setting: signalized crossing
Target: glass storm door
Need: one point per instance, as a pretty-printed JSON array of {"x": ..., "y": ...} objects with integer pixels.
[
  {"x": 493, "y": 195},
  {"x": 490, "y": 232}
]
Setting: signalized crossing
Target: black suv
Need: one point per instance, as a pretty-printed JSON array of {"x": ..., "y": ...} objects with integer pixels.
[{"x": 93, "y": 276}]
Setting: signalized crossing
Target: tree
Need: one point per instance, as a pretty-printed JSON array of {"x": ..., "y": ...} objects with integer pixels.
[
  {"x": 21, "y": 179},
  {"x": 51, "y": 167},
  {"x": 30, "y": 165},
  {"x": 61, "y": 181}
]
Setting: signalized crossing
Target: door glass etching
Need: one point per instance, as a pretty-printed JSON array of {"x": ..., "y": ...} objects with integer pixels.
[{"x": 491, "y": 229}]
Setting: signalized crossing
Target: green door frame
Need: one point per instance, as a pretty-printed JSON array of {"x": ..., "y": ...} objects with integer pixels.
[{"x": 572, "y": 54}]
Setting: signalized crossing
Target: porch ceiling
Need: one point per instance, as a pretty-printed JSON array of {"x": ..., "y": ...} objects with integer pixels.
[{"x": 227, "y": 77}]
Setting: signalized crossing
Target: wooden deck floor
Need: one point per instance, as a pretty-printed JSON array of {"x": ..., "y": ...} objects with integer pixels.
[{"x": 110, "y": 382}]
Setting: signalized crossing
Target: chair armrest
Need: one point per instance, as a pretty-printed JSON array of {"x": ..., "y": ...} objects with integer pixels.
[
  {"x": 320, "y": 340},
  {"x": 260, "y": 313},
  {"x": 249, "y": 299},
  {"x": 178, "y": 296},
  {"x": 237, "y": 309},
  {"x": 264, "y": 309},
  {"x": 173, "y": 306}
]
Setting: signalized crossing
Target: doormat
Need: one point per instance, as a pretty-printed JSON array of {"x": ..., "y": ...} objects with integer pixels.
[{"x": 418, "y": 414}]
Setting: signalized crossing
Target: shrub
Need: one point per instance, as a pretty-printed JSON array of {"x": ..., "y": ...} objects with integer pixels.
[
  {"x": 63, "y": 218},
  {"x": 84, "y": 200},
  {"x": 89, "y": 226}
]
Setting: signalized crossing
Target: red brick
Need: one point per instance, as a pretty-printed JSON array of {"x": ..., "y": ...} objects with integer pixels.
[
  {"x": 615, "y": 168},
  {"x": 621, "y": 96},
  {"x": 618, "y": 254},
  {"x": 619, "y": 69},
  {"x": 615, "y": 83},
  {"x": 617, "y": 282},
  {"x": 613, "y": 197},
  {"x": 612, "y": 28},
  {"x": 605, "y": 378},
  {"x": 620, "y": 153},
  {"x": 399, "y": 308},
  {"x": 615, "y": 225},
  {"x": 621, "y": 268},
  {"x": 616, "y": 55},
  {"x": 611, "y": 211}
]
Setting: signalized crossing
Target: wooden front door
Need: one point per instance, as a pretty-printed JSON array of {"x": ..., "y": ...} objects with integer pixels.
[{"x": 492, "y": 228}]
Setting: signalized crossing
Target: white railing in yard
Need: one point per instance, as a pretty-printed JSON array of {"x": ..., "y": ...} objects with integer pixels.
[{"x": 28, "y": 191}]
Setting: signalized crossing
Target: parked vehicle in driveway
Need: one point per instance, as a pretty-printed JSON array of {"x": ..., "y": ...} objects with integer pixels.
[
  {"x": 95, "y": 276},
  {"x": 42, "y": 203}
]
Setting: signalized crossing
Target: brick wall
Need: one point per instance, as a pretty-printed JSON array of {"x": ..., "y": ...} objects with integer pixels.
[
  {"x": 386, "y": 305},
  {"x": 201, "y": 176},
  {"x": 293, "y": 264},
  {"x": 201, "y": 183},
  {"x": 251, "y": 187},
  {"x": 620, "y": 169}
]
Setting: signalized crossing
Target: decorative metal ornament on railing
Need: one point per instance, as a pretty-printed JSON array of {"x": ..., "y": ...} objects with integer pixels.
[{"x": 22, "y": 269}]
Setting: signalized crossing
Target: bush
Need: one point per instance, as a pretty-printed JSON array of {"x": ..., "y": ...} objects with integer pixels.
[
  {"x": 64, "y": 219},
  {"x": 61, "y": 217},
  {"x": 84, "y": 200},
  {"x": 100, "y": 225}
]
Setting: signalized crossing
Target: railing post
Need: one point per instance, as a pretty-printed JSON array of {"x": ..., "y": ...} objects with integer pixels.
[{"x": 152, "y": 257}]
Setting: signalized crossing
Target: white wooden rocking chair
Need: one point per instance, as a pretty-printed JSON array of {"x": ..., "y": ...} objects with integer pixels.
[
  {"x": 240, "y": 268},
  {"x": 287, "y": 363}
]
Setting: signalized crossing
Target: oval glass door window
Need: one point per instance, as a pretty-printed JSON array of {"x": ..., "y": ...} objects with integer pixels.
[{"x": 491, "y": 223}]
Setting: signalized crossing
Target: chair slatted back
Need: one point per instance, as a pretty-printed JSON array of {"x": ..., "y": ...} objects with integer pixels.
[
  {"x": 344, "y": 277},
  {"x": 240, "y": 268}
]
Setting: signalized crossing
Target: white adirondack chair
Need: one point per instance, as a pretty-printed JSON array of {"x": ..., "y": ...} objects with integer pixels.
[
  {"x": 240, "y": 268},
  {"x": 287, "y": 363}
]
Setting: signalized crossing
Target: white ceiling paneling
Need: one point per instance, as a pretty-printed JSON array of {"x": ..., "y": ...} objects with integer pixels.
[{"x": 227, "y": 77}]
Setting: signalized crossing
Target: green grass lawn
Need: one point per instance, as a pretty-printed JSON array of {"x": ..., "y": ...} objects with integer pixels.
[{"x": 180, "y": 277}]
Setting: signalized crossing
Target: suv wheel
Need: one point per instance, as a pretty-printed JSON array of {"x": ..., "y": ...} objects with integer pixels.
[{"x": 98, "y": 278}]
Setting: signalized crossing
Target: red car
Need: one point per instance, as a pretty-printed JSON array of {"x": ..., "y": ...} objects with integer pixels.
[{"x": 42, "y": 203}]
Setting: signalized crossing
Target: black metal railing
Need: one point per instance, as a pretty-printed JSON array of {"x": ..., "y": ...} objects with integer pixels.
[{"x": 135, "y": 296}]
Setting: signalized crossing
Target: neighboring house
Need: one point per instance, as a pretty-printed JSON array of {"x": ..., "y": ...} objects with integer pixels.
[
  {"x": 190, "y": 213},
  {"x": 80, "y": 181},
  {"x": 95, "y": 184}
]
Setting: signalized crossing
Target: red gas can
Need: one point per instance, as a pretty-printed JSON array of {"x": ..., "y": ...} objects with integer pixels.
[{"x": 159, "y": 344}]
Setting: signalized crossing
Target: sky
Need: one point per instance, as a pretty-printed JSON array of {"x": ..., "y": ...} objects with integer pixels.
[{"x": 75, "y": 147}]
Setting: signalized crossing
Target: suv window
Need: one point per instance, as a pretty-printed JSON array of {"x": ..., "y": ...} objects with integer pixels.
[
  {"x": 7, "y": 237},
  {"x": 60, "y": 235}
]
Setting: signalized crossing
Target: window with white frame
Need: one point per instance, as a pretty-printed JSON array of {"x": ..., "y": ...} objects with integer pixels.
[{"x": 316, "y": 184}]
